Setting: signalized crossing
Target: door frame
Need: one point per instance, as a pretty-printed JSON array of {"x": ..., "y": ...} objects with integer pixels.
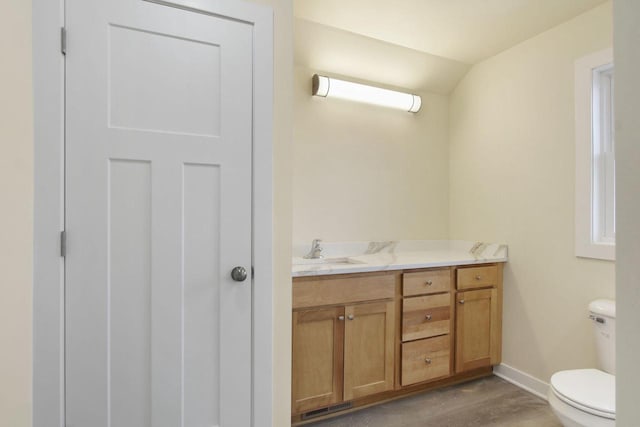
[{"x": 48, "y": 265}]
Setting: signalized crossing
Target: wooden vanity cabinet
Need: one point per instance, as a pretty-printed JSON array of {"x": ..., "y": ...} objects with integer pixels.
[
  {"x": 478, "y": 317},
  {"x": 342, "y": 352},
  {"x": 369, "y": 337}
]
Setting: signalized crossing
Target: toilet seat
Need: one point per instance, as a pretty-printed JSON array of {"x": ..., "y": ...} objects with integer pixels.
[{"x": 588, "y": 390}]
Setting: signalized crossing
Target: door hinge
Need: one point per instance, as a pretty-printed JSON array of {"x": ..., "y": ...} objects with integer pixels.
[
  {"x": 63, "y": 40},
  {"x": 63, "y": 243}
]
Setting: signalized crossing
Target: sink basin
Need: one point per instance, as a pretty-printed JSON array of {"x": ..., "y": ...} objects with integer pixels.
[{"x": 324, "y": 261}]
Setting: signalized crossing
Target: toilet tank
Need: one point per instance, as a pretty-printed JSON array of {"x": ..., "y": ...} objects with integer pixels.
[{"x": 602, "y": 313}]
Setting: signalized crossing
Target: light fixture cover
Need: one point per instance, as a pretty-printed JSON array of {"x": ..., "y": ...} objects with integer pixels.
[{"x": 335, "y": 88}]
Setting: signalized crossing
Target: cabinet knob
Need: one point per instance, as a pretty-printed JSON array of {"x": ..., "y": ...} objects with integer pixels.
[
  {"x": 478, "y": 277},
  {"x": 340, "y": 317},
  {"x": 428, "y": 317},
  {"x": 461, "y": 301},
  {"x": 428, "y": 283},
  {"x": 350, "y": 317},
  {"x": 427, "y": 361}
]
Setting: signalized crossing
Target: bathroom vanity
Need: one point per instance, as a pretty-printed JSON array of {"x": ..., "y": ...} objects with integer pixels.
[{"x": 379, "y": 326}]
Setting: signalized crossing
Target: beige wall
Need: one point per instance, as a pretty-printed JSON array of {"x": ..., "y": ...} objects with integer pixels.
[
  {"x": 627, "y": 60},
  {"x": 512, "y": 176},
  {"x": 363, "y": 172},
  {"x": 16, "y": 214}
]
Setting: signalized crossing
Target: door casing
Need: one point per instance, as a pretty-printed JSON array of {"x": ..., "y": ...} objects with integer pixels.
[{"x": 48, "y": 267}]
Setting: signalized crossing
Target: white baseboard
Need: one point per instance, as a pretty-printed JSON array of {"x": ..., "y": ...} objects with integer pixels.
[{"x": 522, "y": 380}]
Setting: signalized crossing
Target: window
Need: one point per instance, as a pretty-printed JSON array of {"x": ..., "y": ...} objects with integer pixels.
[
  {"x": 603, "y": 162},
  {"x": 595, "y": 160}
]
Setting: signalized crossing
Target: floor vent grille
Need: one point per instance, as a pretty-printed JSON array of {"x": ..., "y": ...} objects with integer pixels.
[{"x": 325, "y": 411}]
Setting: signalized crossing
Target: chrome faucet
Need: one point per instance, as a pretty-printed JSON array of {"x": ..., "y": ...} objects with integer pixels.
[{"x": 316, "y": 249}]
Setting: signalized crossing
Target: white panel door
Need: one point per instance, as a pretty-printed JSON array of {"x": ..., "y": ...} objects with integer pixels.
[{"x": 158, "y": 213}]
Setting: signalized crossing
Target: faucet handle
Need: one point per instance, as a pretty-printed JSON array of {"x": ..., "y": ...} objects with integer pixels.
[{"x": 316, "y": 243}]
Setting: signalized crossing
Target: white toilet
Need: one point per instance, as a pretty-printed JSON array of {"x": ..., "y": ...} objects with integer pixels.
[{"x": 587, "y": 397}]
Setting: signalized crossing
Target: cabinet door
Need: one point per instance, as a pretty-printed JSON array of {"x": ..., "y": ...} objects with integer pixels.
[
  {"x": 477, "y": 329},
  {"x": 317, "y": 365},
  {"x": 369, "y": 349}
]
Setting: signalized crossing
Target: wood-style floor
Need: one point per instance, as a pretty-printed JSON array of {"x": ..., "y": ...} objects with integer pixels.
[{"x": 490, "y": 402}]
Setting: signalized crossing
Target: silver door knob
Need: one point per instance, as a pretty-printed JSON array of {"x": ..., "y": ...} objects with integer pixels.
[
  {"x": 350, "y": 317},
  {"x": 461, "y": 301},
  {"x": 428, "y": 283},
  {"x": 239, "y": 274},
  {"x": 428, "y": 317},
  {"x": 427, "y": 361},
  {"x": 340, "y": 317}
]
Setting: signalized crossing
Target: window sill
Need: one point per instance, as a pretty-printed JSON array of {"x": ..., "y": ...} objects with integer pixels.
[{"x": 603, "y": 251}]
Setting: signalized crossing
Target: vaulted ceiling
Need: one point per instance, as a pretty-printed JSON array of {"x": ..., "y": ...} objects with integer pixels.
[{"x": 466, "y": 31}]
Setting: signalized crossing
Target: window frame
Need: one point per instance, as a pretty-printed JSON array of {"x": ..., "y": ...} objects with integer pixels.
[{"x": 595, "y": 174}]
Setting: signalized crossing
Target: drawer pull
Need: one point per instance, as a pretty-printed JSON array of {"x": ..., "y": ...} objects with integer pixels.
[
  {"x": 427, "y": 361},
  {"x": 350, "y": 317},
  {"x": 461, "y": 301},
  {"x": 340, "y": 317},
  {"x": 428, "y": 317},
  {"x": 478, "y": 277},
  {"x": 428, "y": 283}
]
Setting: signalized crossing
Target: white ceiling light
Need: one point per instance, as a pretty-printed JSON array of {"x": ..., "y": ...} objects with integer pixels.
[{"x": 334, "y": 88}]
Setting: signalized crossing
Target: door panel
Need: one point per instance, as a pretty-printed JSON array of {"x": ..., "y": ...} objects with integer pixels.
[
  {"x": 201, "y": 300},
  {"x": 130, "y": 290},
  {"x": 190, "y": 78},
  {"x": 158, "y": 212}
]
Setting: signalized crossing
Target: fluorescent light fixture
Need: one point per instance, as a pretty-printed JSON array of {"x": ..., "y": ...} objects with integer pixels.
[{"x": 329, "y": 87}]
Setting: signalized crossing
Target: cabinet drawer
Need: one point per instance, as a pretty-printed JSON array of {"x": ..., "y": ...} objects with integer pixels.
[
  {"x": 477, "y": 277},
  {"x": 331, "y": 290},
  {"x": 425, "y": 360},
  {"x": 426, "y": 282},
  {"x": 427, "y": 316}
]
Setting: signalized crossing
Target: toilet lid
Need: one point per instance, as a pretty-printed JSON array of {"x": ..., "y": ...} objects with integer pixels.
[{"x": 590, "y": 390}]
